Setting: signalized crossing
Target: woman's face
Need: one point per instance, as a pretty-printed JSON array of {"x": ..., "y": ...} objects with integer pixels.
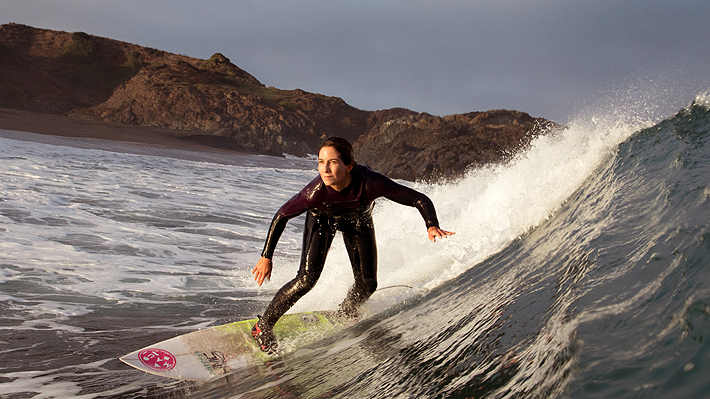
[{"x": 332, "y": 170}]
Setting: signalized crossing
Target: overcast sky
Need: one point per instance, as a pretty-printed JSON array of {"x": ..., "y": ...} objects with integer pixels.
[{"x": 550, "y": 58}]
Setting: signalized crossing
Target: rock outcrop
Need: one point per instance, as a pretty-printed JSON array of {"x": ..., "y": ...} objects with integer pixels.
[
  {"x": 221, "y": 105},
  {"x": 226, "y": 111},
  {"x": 423, "y": 146}
]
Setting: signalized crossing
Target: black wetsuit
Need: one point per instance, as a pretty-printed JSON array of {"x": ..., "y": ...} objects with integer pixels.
[{"x": 349, "y": 211}]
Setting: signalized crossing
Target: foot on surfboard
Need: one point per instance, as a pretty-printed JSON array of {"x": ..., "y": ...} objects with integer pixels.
[
  {"x": 265, "y": 338},
  {"x": 348, "y": 313}
]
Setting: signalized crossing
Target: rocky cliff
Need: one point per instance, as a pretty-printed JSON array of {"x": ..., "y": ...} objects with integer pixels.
[
  {"x": 422, "y": 146},
  {"x": 221, "y": 105}
]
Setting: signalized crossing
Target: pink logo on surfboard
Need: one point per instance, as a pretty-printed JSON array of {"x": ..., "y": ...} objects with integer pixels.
[{"x": 157, "y": 359}]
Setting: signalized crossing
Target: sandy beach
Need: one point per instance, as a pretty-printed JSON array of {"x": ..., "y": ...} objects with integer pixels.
[
  {"x": 58, "y": 125},
  {"x": 107, "y": 136}
]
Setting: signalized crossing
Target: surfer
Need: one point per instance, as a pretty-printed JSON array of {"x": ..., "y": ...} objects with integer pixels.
[{"x": 341, "y": 198}]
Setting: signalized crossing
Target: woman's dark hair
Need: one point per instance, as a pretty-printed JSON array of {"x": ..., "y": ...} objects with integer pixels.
[{"x": 344, "y": 148}]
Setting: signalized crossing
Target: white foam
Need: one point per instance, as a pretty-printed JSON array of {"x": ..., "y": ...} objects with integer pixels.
[
  {"x": 50, "y": 384},
  {"x": 487, "y": 209}
]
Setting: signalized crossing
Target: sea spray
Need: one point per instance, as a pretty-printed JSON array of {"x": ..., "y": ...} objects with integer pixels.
[{"x": 488, "y": 208}]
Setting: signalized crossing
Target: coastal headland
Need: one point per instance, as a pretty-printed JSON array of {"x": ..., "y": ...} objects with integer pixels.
[{"x": 80, "y": 85}]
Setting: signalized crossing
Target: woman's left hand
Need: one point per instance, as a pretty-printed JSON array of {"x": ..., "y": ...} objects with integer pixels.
[{"x": 435, "y": 232}]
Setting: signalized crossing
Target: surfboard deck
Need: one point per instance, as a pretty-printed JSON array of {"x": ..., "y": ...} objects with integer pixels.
[{"x": 206, "y": 354}]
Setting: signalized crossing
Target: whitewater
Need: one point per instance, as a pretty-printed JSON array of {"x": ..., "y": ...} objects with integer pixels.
[{"x": 578, "y": 269}]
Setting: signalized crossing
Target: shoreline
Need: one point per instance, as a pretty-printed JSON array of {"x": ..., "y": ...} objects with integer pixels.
[
  {"x": 64, "y": 126},
  {"x": 115, "y": 137}
]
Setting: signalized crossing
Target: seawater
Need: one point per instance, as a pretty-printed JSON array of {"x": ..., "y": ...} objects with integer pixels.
[{"x": 578, "y": 269}]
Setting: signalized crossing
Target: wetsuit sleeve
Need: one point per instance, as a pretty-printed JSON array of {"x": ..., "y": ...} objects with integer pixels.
[
  {"x": 379, "y": 185},
  {"x": 292, "y": 208}
]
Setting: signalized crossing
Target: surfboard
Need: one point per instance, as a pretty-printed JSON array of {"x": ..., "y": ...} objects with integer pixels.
[{"x": 206, "y": 354}]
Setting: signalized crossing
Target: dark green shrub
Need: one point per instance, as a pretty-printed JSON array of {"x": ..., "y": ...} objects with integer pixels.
[
  {"x": 291, "y": 106},
  {"x": 81, "y": 50}
]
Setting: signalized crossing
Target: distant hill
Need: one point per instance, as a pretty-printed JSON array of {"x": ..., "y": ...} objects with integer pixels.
[{"x": 94, "y": 78}]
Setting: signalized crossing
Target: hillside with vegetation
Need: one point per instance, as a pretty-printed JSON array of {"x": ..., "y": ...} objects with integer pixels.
[{"x": 216, "y": 103}]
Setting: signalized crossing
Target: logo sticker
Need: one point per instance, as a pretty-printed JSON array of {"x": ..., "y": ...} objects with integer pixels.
[{"x": 157, "y": 359}]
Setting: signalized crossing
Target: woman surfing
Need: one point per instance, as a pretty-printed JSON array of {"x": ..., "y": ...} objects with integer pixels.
[{"x": 340, "y": 198}]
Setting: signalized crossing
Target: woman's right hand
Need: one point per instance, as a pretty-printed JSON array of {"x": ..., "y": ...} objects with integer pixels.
[{"x": 262, "y": 270}]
